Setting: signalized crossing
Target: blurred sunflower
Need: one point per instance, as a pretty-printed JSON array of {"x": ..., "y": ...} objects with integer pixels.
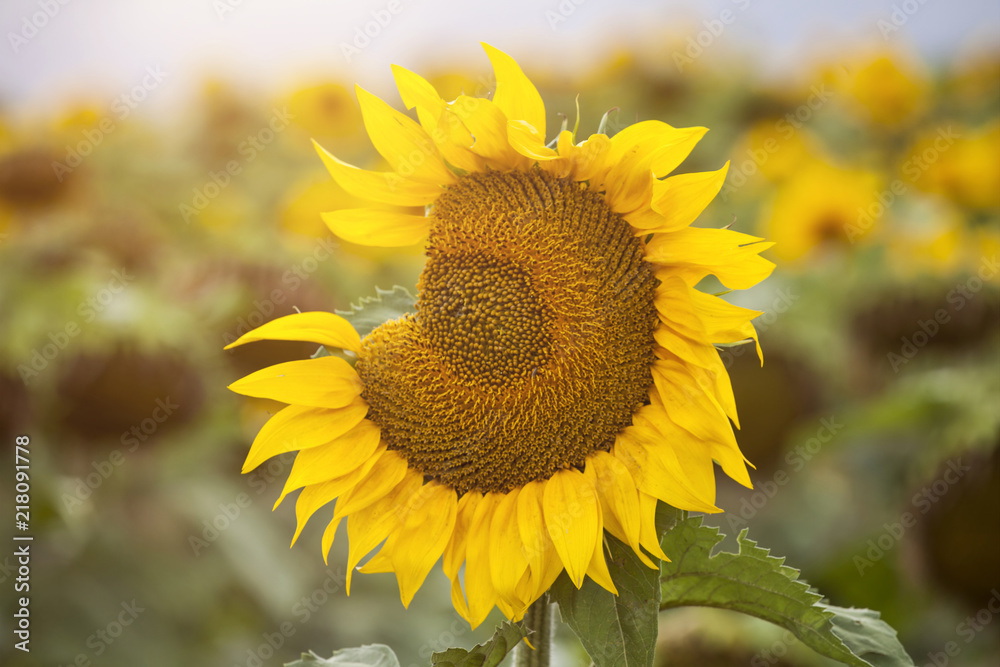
[
  {"x": 559, "y": 375},
  {"x": 960, "y": 163},
  {"x": 325, "y": 109},
  {"x": 822, "y": 205},
  {"x": 890, "y": 89}
]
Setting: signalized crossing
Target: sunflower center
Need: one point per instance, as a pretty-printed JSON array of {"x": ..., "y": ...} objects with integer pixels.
[
  {"x": 532, "y": 341},
  {"x": 484, "y": 317}
]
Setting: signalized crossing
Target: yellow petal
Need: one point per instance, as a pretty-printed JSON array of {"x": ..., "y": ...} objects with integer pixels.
[
  {"x": 479, "y": 588},
  {"x": 618, "y": 494},
  {"x": 328, "y": 534},
  {"x": 641, "y": 153},
  {"x": 648, "y": 536},
  {"x": 369, "y": 526},
  {"x": 416, "y": 92},
  {"x": 515, "y": 95},
  {"x": 681, "y": 199},
  {"x": 587, "y": 160},
  {"x": 724, "y": 322},
  {"x": 525, "y": 140},
  {"x": 313, "y": 327},
  {"x": 298, "y": 427},
  {"x": 693, "y": 253},
  {"x": 573, "y": 520},
  {"x": 387, "y": 229},
  {"x": 402, "y": 142},
  {"x": 658, "y": 472},
  {"x": 507, "y": 558},
  {"x": 418, "y": 543},
  {"x": 326, "y": 382},
  {"x": 598, "y": 569},
  {"x": 311, "y": 499},
  {"x": 384, "y": 476},
  {"x": 689, "y": 406},
  {"x": 488, "y": 126},
  {"x": 454, "y": 553},
  {"x": 345, "y": 460},
  {"x": 383, "y": 187}
]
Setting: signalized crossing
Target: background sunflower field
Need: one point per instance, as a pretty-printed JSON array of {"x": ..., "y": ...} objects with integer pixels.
[{"x": 159, "y": 196}]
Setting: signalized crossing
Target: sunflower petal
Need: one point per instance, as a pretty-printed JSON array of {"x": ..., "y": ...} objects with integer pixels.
[
  {"x": 515, "y": 95},
  {"x": 304, "y": 472},
  {"x": 573, "y": 520},
  {"x": 693, "y": 253},
  {"x": 648, "y": 536},
  {"x": 298, "y": 427},
  {"x": 429, "y": 519},
  {"x": 681, "y": 199},
  {"x": 507, "y": 557},
  {"x": 387, "y": 229},
  {"x": 526, "y": 141},
  {"x": 384, "y": 476},
  {"x": 329, "y": 533},
  {"x": 402, "y": 142},
  {"x": 479, "y": 587},
  {"x": 386, "y": 187},
  {"x": 488, "y": 126},
  {"x": 312, "y": 327},
  {"x": 308, "y": 503},
  {"x": 367, "y": 527},
  {"x": 618, "y": 495},
  {"x": 454, "y": 553},
  {"x": 598, "y": 569},
  {"x": 326, "y": 382}
]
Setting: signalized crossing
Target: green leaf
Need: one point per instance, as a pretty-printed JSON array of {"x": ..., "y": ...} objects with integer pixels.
[
  {"x": 487, "y": 654},
  {"x": 868, "y": 636},
  {"x": 370, "y": 655},
  {"x": 616, "y": 631},
  {"x": 756, "y": 583},
  {"x": 372, "y": 311}
]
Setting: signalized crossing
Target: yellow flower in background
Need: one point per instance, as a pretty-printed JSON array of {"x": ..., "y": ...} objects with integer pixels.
[
  {"x": 304, "y": 200},
  {"x": 889, "y": 89},
  {"x": 820, "y": 205},
  {"x": 326, "y": 110},
  {"x": 559, "y": 375},
  {"x": 930, "y": 239},
  {"x": 959, "y": 163}
]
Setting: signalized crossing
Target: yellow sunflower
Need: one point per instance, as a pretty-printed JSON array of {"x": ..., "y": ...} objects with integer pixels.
[{"x": 559, "y": 375}]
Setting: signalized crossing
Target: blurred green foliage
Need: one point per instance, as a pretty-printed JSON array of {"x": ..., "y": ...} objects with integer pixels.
[{"x": 129, "y": 257}]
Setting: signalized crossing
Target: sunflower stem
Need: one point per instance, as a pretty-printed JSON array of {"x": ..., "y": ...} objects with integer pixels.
[{"x": 539, "y": 621}]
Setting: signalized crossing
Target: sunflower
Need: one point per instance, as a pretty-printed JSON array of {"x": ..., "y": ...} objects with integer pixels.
[{"x": 559, "y": 375}]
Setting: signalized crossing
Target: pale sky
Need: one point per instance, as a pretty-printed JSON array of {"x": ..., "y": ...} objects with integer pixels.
[{"x": 100, "y": 48}]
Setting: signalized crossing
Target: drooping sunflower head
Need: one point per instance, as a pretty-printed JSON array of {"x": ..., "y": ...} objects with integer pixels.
[{"x": 558, "y": 374}]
